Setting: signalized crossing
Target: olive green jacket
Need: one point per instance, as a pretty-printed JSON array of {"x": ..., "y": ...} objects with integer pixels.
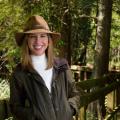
[{"x": 30, "y": 99}]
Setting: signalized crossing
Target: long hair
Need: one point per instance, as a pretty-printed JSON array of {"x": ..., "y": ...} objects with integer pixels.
[{"x": 26, "y": 58}]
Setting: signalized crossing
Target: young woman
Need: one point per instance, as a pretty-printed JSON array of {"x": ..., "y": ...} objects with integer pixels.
[{"x": 41, "y": 86}]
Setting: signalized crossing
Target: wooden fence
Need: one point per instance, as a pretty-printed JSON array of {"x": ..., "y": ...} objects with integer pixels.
[{"x": 95, "y": 89}]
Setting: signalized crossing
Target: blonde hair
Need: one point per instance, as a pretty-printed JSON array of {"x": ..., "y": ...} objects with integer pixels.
[{"x": 25, "y": 54}]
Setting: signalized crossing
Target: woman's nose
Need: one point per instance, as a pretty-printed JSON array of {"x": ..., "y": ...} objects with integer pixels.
[{"x": 38, "y": 39}]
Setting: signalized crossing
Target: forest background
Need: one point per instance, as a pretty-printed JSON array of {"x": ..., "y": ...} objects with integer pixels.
[
  {"x": 90, "y": 32},
  {"x": 75, "y": 19}
]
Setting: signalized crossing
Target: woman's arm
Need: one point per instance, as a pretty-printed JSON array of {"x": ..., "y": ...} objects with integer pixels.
[{"x": 72, "y": 93}]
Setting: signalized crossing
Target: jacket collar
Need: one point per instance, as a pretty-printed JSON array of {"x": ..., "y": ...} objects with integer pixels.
[{"x": 58, "y": 64}]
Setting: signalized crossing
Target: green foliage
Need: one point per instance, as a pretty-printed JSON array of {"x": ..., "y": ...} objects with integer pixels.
[
  {"x": 13, "y": 56},
  {"x": 4, "y": 89},
  {"x": 115, "y": 39},
  {"x": 91, "y": 116},
  {"x": 81, "y": 28},
  {"x": 8, "y": 23},
  {"x": 10, "y": 118},
  {"x": 11, "y": 18},
  {"x": 115, "y": 33}
]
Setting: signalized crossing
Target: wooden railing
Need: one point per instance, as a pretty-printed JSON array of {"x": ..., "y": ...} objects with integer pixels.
[{"x": 94, "y": 89}]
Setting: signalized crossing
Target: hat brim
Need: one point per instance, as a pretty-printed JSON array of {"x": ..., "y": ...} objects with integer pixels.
[{"x": 19, "y": 37}]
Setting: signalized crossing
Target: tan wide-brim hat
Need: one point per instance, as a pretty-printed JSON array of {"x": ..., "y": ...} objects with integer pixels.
[{"x": 35, "y": 24}]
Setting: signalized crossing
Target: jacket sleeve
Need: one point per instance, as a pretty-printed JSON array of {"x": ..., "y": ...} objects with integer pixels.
[
  {"x": 17, "y": 101},
  {"x": 73, "y": 94}
]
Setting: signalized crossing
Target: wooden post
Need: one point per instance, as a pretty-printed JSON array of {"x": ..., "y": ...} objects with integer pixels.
[{"x": 82, "y": 114}]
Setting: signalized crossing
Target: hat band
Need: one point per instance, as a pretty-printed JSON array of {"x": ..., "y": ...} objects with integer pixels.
[{"x": 36, "y": 27}]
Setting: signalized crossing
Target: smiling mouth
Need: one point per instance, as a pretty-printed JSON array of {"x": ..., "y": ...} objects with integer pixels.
[{"x": 38, "y": 46}]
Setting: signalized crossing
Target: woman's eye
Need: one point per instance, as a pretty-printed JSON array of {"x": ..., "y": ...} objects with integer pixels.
[
  {"x": 32, "y": 36},
  {"x": 43, "y": 35}
]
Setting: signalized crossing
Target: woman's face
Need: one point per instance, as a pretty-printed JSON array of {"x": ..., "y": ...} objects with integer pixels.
[{"x": 38, "y": 43}]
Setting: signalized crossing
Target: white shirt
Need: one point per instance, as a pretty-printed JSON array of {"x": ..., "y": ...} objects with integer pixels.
[{"x": 40, "y": 64}]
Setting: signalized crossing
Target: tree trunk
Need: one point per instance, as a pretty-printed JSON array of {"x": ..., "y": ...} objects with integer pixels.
[
  {"x": 66, "y": 37},
  {"x": 103, "y": 42},
  {"x": 103, "y": 38}
]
